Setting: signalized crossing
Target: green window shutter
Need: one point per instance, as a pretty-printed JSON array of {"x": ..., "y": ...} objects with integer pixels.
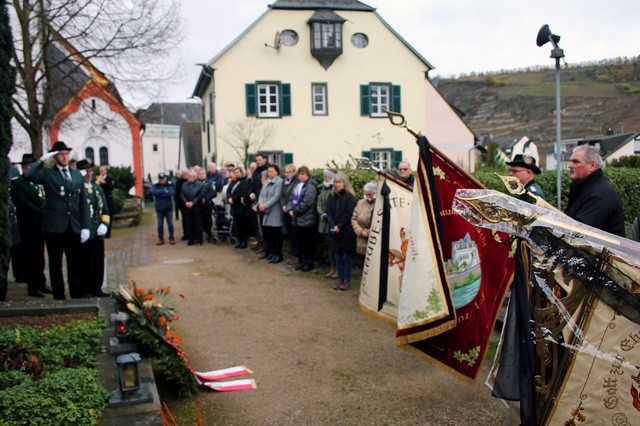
[
  {"x": 396, "y": 103},
  {"x": 366, "y": 154},
  {"x": 397, "y": 159},
  {"x": 251, "y": 99},
  {"x": 365, "y": 100},
  {"x": 288, "y": 158},
  {"x": 285, "y": 100}
]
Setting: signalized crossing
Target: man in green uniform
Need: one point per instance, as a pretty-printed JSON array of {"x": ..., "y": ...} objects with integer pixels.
[
  {"x": 93, "y": 252},
  {"x": 66, "y": 217},
  {"x": 524, "y": 168},
  {"x": 28, "y": 255}
]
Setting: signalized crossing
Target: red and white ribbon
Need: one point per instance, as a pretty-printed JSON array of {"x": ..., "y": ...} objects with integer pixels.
[
  {"x": 245, "y": 385},
  {"x": 224, "y": 374}
]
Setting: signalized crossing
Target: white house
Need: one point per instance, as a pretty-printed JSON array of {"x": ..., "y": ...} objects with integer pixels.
[
  {"x": 161, "y": 147},
  {"x": 310, "y": 81},
  {"x": 611, "y": 148}
]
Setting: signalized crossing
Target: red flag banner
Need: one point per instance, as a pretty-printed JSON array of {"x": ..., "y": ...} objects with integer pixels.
[{"x": 477, "y": 263}]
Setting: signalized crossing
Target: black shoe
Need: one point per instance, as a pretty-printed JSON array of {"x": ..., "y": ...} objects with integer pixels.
[
  {"x": 299, "y": 266},
  {"x": 244, "y": 245},
  {"x": 307, "y": 268},
  {"x": 45, "y": 290},
  {"x": 276, "y": 259},
  {"x": 191, "y": 243},
  {"x": 265, "y": 256},
  {"x": 35, "y": 293}
]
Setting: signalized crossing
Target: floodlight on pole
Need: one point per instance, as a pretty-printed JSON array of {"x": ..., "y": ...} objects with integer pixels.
[{"x": 546, "y": 36}]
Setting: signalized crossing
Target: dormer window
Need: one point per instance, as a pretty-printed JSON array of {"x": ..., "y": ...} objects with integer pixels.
[{"x": 326, "y": 36}]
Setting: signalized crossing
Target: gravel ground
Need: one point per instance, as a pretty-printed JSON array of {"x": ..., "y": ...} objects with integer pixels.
[{"x": 317, "y": 359}]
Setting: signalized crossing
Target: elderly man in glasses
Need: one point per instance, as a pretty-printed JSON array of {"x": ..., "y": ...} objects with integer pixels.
[
  {"x": 524, "y": 168},
  {"x": 406, "y": 175}
]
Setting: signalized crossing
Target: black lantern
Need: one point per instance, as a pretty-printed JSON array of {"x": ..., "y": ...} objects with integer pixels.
[{"x": 128, "y": 373}]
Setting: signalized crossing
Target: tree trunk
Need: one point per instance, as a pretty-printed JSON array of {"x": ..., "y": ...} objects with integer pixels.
[{"x": 7, "y": 88}]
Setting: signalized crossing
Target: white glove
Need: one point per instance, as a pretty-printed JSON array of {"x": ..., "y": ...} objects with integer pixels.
[
  {"x": 49, "y": 156},
  {"x": 102, "y": 230},
  {"x": 84, "y": 236}
]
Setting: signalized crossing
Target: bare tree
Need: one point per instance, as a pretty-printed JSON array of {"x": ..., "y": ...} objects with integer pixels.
[
  {"x": 129, "y": 40},
  {"x": 247, "y": 136}
]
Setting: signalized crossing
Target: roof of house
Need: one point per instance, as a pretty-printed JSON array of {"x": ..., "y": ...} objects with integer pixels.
[
  {"x": 172, "y": 114},
  {"x": 192, "y": 143},
  {"x": 206, "y": 74},
  {"x": 70, "y": 71},
  {"x": 326, "y": 16},
  {"x": 354, "y": 5},
  {"x": 608, "y": 143}
]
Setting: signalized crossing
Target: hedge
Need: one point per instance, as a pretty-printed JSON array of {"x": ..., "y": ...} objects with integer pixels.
[{"x": 625, "y": 180}]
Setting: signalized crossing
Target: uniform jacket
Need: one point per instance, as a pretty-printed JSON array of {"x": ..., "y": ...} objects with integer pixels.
[
  {"x": 535, "y": 189},
  {"x": 239, "y": 192},
  {"x": 98, "y": 207},
  {"x": 323, "y": 221},
  {"x": 65, "y": 200},
  {"x": 304, "y": 214},
  {"x": 340, "y": 207},
  {"x": 360, "y": 221},
  {"x": 595, "y": 202},
  {"x": 28, "y": 198},
  {"x": 163, "y": 196},
  {"x": 270, "y": 195}
]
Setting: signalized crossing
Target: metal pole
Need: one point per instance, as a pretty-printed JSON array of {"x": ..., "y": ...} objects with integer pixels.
[{"x": 558, "y": 135}]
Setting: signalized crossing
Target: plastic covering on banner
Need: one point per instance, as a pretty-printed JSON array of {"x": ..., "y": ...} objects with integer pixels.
[{"x": 583, "y": 288}]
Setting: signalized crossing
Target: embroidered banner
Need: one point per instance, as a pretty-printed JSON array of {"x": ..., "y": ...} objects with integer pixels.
[
  {"x": 386, "y": 249},
  {"x": 461, "y": 293}
]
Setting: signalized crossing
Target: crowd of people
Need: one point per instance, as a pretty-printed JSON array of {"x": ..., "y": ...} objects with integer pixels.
[
  {"x": 270, "y": 206},
  {"x": 64, "y": 207}
]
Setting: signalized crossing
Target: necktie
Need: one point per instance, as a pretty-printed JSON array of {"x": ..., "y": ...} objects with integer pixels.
[{"x": 65, "y": 172}]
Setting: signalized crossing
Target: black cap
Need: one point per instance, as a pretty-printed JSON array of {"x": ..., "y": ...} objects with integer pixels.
[
  {"x": 84, "y": 164},
  {"x": 162, "y": 175},
  {"x": 526, "y": 162},
  {"x": 27, "y": 159},
  {"x": 59, "y": 146}
]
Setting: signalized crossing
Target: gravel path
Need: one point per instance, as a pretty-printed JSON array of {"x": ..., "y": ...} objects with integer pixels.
[{"x": 317, "y": 359}]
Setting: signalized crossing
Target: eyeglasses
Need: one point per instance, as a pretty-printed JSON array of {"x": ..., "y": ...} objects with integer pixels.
[{"x": 404, "y": 169}]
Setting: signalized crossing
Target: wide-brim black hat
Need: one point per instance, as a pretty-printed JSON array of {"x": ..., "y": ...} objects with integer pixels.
[
  {"x": 526, "y": 162},
  {"x": 84, "y": 165},
  {"x": 27, "y": 159},
  {"x": 59, "y": 146}
]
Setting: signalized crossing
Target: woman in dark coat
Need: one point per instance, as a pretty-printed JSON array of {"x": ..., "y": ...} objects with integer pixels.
[
  {"x": 302, "y": 210},
  {"x": 238, "y": 194},
  {"x": 340, "y": 206}
]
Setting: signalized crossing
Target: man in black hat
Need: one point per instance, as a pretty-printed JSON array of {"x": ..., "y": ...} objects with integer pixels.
[
  {"x": 93, "y": 250},
  {"x": 524, "y": 168},
  {"x": 66, "y": 219},
  {"x": 28, "y": 255}
]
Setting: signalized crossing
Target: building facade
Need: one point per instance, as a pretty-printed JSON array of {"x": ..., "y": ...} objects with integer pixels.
[
  {"x": 309, "y": 82},
  {"x": 161, "y": 140},
  {"x": 90, "y": 116}
]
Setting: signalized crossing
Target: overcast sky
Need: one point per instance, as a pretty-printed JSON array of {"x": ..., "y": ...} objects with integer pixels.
[{"x": 456, "y": 36}]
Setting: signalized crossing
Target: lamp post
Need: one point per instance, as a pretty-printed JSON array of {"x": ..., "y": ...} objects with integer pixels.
[{"x": 546, "y": 36}]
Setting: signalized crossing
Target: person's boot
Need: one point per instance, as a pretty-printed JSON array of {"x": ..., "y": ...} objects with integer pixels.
[
  {"x": 299, "y": 266},
  {"x": 346, "y": 285},
  {"x": 307, "y": 268},
  {"x": 33, "y": 292},
  {"x": 172, "y": 242},
  {"x": 160, "y": 242},
  {"x": 331, "y": 273}
]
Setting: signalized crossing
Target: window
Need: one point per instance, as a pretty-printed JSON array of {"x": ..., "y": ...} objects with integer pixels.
[
  {"x": 89, "y": 154},
  {"x": 327, "y": 35},
  {"x": 360, "y": 40},
  {"x": 104, "y": 156},
  {"x": 319, "y": 99},
  {"x": 155, "y": 147},
  {"x": 268, "y": 99},
  {"x": 289, "y": 38},
  {"x": 211, "y": 110},
  {"x": 280, "y": 158},
  {"x": 378, "y": 98},
  {"x": 384, "y": 158}
]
